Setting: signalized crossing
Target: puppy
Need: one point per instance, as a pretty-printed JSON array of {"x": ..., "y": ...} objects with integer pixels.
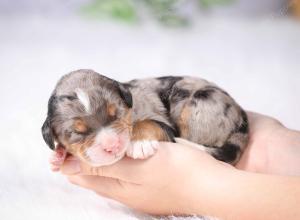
[{"x": 99, "y": 120}]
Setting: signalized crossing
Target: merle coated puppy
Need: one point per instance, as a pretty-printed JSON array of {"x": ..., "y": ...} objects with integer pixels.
[{"x": 100, "y": 120}]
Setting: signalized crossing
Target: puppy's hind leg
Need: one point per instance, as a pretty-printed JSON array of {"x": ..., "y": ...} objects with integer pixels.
[
  {"x": 230, "y": 152},
  {"x": 189, "y": 143}
]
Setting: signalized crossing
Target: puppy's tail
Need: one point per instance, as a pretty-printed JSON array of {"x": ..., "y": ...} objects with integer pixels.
[{"x": 230, "y": 152}]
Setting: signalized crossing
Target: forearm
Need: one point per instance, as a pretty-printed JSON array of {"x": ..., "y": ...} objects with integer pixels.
[{"x": 242, "y": 195}]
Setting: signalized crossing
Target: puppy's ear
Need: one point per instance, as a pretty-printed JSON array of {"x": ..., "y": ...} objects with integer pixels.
[
  {"x": 48, "y": 133},
  {"x": 125, "y": 94},
  {"x": 47, "y": 130}
]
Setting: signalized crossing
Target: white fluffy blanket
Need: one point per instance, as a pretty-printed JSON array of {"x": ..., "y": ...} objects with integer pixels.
[{"x": 256, "y": 61}]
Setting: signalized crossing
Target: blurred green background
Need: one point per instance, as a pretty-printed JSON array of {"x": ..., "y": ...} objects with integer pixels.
[{"x": 166, "y": 12}]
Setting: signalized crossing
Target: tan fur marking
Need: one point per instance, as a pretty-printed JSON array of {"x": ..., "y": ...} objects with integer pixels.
[
  {"x": 295, "y": 4},
  {"x": 183, "y": 122},
  {"x": 123, "y": 124},
  {"x": 111, "y": 109},
  {"x": 80, "y": 126},
  {"x": 79, "y": 148},
  {"x": 148, "y": 130}
]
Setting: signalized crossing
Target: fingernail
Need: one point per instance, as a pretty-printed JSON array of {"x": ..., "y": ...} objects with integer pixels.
[
  {"x": 71, "y": 167},
  {"x": 54, "y": 168}
]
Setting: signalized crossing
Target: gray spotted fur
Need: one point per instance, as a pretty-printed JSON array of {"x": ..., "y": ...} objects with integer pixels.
[
  {"x": 210, "y": 124},
  {"x": 215, "y": 121}
]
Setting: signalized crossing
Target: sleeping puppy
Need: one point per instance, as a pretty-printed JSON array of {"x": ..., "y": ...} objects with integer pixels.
[{"x": 100, "y": 120}]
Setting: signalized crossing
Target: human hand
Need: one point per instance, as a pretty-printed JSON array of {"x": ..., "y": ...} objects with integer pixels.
[
  {"x": 168, "y": 183},
  {"x": 177, "y": 178},
  {"x": 272, "y": 148}
]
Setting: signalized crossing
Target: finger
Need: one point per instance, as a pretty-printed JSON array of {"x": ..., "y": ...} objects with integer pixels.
[
  {"x": 54, "y": 168},
  {"x": 127, "y": 169},
  {"x": 57, "y": 158},
  {"x": 123, "y": 169},
  {"x": 105, "y": 186}
]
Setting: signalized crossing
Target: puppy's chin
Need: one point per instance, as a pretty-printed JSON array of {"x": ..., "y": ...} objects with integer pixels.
[{"x": 96, "y": 156}]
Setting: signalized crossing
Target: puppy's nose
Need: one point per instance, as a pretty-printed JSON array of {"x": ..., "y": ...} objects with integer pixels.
[{"x": 111, "y": 145}]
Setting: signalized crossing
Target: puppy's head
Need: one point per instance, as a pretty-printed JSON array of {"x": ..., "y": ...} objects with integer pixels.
[{"x": 90, "y": 115}]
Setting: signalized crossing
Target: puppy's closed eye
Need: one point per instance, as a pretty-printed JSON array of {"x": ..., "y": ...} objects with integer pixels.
[
  {"x": 80, "y": 126},
  {"x": 112, "y": 110}
]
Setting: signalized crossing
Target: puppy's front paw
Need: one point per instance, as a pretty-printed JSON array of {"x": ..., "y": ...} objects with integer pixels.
[{"x": 142, "y": 149}]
